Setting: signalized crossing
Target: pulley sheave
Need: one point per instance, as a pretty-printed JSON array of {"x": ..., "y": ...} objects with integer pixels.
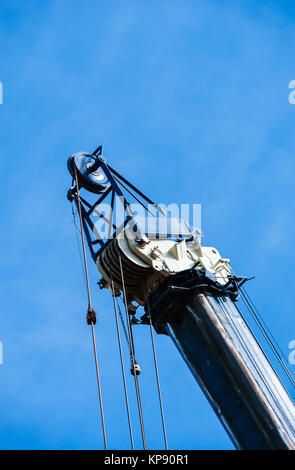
[{"x": 94, "y": 181}]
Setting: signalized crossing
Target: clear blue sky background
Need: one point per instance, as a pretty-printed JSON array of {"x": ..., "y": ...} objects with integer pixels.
[{"x": 190, "y": 100}]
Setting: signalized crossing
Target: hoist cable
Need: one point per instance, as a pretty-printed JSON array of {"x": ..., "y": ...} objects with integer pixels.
[
  {"x": 77, "y": 232},
  {"x": 82, "y": 239},
  {"x": 156, "y": 370},
  {"x": 90, "y": 308},
  {"x": 99, "y": 388},
  {"x": 266, "y": 328},
  {"x": 118, "y": 330},
  {"x": 93, "y": 336},
  {"x": 122, "y": 365},
  {"x": 257, "y": 317},
  {"x": 269, "y": 341},
  {"x": 255, "y": 365},
  {"x": 267, "y": 337},
  {"x": 133, "y": 356}
]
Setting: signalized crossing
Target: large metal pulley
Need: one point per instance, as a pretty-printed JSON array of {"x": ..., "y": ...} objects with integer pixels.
[{"x": 90, "y": 175}]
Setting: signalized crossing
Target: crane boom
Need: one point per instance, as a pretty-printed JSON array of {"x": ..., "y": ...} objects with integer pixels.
[
  {"x": 228, "y": 363},
  {"x": 190, "y": 294}
]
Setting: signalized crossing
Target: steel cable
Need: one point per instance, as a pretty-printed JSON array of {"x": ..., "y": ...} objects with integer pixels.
[
  {"x": 133, "y": 357},
  {"x": 90, "y": 308},
  {"x": 257, "y": 317},
  {"x": 267, "y": 337},
  {"x": 122, "y": 363},
  {"x": 156, "y": 371}
]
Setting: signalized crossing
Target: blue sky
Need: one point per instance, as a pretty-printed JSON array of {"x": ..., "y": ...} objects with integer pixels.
[{"x": 190, "y": 100}]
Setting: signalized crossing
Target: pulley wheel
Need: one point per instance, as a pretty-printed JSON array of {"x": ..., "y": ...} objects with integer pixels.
[{"x": 96, "y": 181}]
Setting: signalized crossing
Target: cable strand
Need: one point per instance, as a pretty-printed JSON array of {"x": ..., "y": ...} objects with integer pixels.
[
  {"x": 90, "y": 308},
  {"x": 267, "y": 338},
  {"x": 133, "y": 356},
  {"x": 156, "y": 371},
  {"x": 122, "y": 362}
]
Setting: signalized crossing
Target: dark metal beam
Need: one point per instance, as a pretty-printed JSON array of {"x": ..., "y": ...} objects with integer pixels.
[{"x": 229, "y": 365}]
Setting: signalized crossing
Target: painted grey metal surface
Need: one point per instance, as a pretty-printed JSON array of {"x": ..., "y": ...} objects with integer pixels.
[{"x": 233, "y": 371}]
